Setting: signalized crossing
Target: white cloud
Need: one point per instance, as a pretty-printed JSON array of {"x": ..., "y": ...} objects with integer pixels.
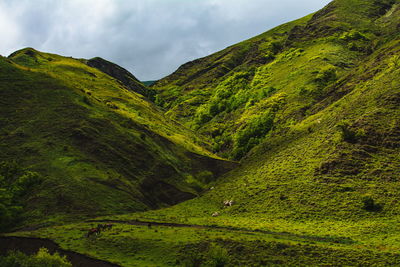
[
  {"x": 9, "y": 31},
  {"x": 151, "y": 38}
]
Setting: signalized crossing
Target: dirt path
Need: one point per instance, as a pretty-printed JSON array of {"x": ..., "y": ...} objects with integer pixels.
[
  {"x": 31, "y": 245},
  {"x": 341, "y": 240}
]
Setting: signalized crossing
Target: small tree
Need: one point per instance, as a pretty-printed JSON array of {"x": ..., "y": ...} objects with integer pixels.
[
  {"x": 346, "y": 133},
  {"x": 370, "y": 205}
]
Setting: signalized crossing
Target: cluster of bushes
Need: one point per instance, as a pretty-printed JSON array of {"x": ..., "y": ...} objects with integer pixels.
[
  {"x": 352, "y": 36},
  {"x": 251, "y": 134},
  {"x": 369, "y": 204},
  {"x": 349, "y": 135},
  {"x": 158, "y": 100},
  {"x": 15, "y": 184},
  {"x": 383, "y": 6},
  {"x": 273, "y": 48},
  {"x": 261, "y": 94},
  {"x": 394, "y": 62},
  {"x": 257, "y": 127},
  {"x": 230, "y": 94},
  {"x": 222, "y": 143},
  {"x": 326, "y": 76},
  {"x": 356, "y": 41},
  {"x": 41, "y": 259}
]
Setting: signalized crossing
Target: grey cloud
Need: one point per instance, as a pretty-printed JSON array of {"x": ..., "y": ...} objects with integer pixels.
[{"x": 151, "y": 38}]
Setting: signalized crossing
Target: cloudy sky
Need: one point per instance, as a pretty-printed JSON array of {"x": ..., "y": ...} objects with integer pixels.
[{"x": 151, "y": 38}]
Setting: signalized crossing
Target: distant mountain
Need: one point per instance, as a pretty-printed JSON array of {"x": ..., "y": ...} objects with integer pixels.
[
  {"x": 148, "y": 83},
  {"x": 99, "y": 146}
]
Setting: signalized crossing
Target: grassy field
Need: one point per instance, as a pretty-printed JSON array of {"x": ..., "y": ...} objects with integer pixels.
[{"x": 140, "y": 245}]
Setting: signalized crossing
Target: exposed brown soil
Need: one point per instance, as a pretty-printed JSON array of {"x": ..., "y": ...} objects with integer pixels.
[{"x": 30, "y": 246}]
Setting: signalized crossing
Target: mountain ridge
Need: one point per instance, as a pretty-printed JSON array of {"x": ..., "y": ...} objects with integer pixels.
[{"x": 89, "y": 137}]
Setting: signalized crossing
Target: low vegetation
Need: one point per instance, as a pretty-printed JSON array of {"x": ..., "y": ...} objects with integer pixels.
[
  {"x": 16, "y": 185},
  {"x": 41, "y": 259}
]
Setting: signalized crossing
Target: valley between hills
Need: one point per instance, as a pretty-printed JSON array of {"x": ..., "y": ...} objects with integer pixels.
[{"x": 283, "y": 149}]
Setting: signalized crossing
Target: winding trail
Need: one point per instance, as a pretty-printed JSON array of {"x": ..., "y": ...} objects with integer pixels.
[
  {"x": 30, "y": 246},
  {"x": 286, "y": 235}
]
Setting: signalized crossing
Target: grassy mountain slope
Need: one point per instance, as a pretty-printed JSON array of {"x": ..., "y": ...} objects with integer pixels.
[
  {"x": 330, "y": 162},
  {"x": 311, "y": 108},
  {"x": 328, "y": 171},
  {"x": 270, "y": 82},
  {"x": 98, "y": 146},
  {"x": 122, "y": 75}
]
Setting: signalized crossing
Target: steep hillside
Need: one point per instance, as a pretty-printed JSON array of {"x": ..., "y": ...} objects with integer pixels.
[
  {"x": 329, "y": 165},
  {"x": 330, "y": 162},
  {"x": 270, "y": 82},
  {"x": 98, "y": 147},
  {"x": 122, "y": 75}
]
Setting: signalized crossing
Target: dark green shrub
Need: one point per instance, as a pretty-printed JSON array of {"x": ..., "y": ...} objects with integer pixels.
[
  {"x": 349, "y": 135},
  {"x": 217, "y": 256},
  {"x": 26, "y": 182},
  {"x": 86, "y": 100},
  {"x": 10, "y": 171},
  {"x": 213, "y": 109},
  {"x": 252, "y": 134},
  {"x": 370, "y": 205},
  {"x": 159, "y": 101},
  {"x": 326, "y": 76},
  {"x": 346, "y": 133},
  {"x": 269, "y": 56},
  {"x": 353, "y": 36},
  {"x": 267, "y": 92},
  {"x": 276, "y": 47},
  {"x": 202, "y": 115},
  {"x": 15, "y": 185},
  {"x": 41, "y": 259}
]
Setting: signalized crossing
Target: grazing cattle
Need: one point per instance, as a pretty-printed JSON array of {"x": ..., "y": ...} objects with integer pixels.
[
  {"x": 99, "y": 229},
  {"x": 149, "y": 225},
  {"x": 93, "y": 231},
  {"x": 108, "y": 226},
  {"x": 215, "y": 214}
]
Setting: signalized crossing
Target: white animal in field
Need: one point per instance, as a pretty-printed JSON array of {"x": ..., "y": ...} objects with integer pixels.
[{"x": 228, "y": 203}]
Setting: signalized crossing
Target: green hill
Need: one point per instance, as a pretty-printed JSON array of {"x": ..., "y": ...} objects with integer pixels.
[
  {"x": 316, "y": 125},
  {"x": 99, "y": 147},
  {"x": 320, "y": 148},
  {"x": 311, "y": 109},
  {"x": 277, "y": 79}
]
